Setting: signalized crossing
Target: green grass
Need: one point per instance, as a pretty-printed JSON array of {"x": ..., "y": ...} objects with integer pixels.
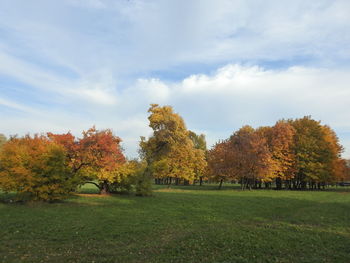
[{"x": 185, "y": 224}]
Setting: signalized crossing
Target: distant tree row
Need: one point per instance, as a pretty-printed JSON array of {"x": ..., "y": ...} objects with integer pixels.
[{"x": 294, "y": 154}]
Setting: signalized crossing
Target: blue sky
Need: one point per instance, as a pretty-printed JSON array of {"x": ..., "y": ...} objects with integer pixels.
[{"x": 70, "y": 64}]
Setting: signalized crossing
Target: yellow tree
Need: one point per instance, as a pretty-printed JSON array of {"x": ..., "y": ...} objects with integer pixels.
[
  {"x": 169, "y": 152},
  {"x": 36, "y": 168},
  {"x": 317, "y": 152},
  {"x": 200, "y": 144}
]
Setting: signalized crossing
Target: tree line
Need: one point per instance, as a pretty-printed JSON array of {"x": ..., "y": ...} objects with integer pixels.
[{"x": 292, "y": 154}]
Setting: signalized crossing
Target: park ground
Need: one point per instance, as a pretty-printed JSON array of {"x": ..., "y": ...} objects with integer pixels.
[{"x": 180, "y": 224}]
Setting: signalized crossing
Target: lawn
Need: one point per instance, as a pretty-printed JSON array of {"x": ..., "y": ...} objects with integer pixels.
[{"x": 181, "y": 224}]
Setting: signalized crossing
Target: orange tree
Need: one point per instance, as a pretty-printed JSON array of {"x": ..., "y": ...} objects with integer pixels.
[
  {"x": 97, "y": 157},
  {"x": 220, "y": 162}
]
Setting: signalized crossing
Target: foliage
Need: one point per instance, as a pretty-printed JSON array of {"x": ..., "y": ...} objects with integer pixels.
[
  {"x": 96, "y": 156},
  {"x": 317, "y": 151},
  {"x": 200, "y": 143},
  {"x": 143, "y": 182},
  {"x": 297, "y": 153},
  {"x": 169, "y": 152},
  {"x": 280, "y": 139},
  {"x": 219, "y": 162},
  {"x": 36, "y": 169},
  {"x": 251, "y": 159}
]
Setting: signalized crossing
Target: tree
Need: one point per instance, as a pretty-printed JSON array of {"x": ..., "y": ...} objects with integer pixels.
[
  {"x": 169, "y": 152},
  {"x": 334, "y": 165},
  {"x": 317, "y": 151},
  {"x": 97, "y": 156},
  {"x": 280, "y": 138},
  {"x": 200, "y": 144},
  {"x": 220, "y": 162},
  {"x": 36, "y": 169},
  {"x": 251, "y": 159}
]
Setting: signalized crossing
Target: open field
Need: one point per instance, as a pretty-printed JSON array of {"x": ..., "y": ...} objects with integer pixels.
[{"x": 182, "y": 224}]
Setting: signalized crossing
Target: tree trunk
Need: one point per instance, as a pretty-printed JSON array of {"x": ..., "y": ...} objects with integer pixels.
[
  {"x": 169, "y": 182},
  {"x": 220, "y": 185},
  {"x": 104, "y": 188},
  {"x": 278, "y": 183},
  {"x": 200, "y": 181}
]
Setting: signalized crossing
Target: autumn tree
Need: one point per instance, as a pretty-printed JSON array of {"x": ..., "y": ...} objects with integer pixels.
[
  {"x": 169, "y": 152},
  {"x": 252, "y": 161},
  {"x": 220, "y": 158},
  {"x": 36, "y": 169},
  {"x": 335, "y": 166},
  {"x": 97, "y": 157},
  {"x": 317, "y": 152},
  {"x": 280, "y": 139},
  {"x": 200, "y": 144}
]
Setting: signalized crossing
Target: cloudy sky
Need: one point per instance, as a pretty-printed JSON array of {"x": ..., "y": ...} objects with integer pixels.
[{"x": 70, "y": 64}]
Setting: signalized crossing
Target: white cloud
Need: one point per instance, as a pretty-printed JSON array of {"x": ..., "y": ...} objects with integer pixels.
[
  {"x": 130, "y": 37},
  {"x": 236, "y": 95},
  {"x": 71, "y": 64},
  {"x": 98, "y": 87},
  {"x": 216, "y": 104}
]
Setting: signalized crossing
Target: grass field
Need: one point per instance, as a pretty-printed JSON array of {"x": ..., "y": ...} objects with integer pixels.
[{"x": 182, "y": 224}]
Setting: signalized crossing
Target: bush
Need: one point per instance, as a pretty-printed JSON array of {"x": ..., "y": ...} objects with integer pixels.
[{"x": 143, "y": 183}]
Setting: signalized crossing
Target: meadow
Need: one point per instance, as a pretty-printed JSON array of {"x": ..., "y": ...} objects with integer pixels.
[{"x": 180, "y": 224}]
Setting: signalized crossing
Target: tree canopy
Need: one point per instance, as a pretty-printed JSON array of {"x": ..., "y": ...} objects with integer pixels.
[{"x": 169, "y": 152}]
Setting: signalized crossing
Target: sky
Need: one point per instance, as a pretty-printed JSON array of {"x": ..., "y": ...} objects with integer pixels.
[{"x": 70, "y": 64}]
